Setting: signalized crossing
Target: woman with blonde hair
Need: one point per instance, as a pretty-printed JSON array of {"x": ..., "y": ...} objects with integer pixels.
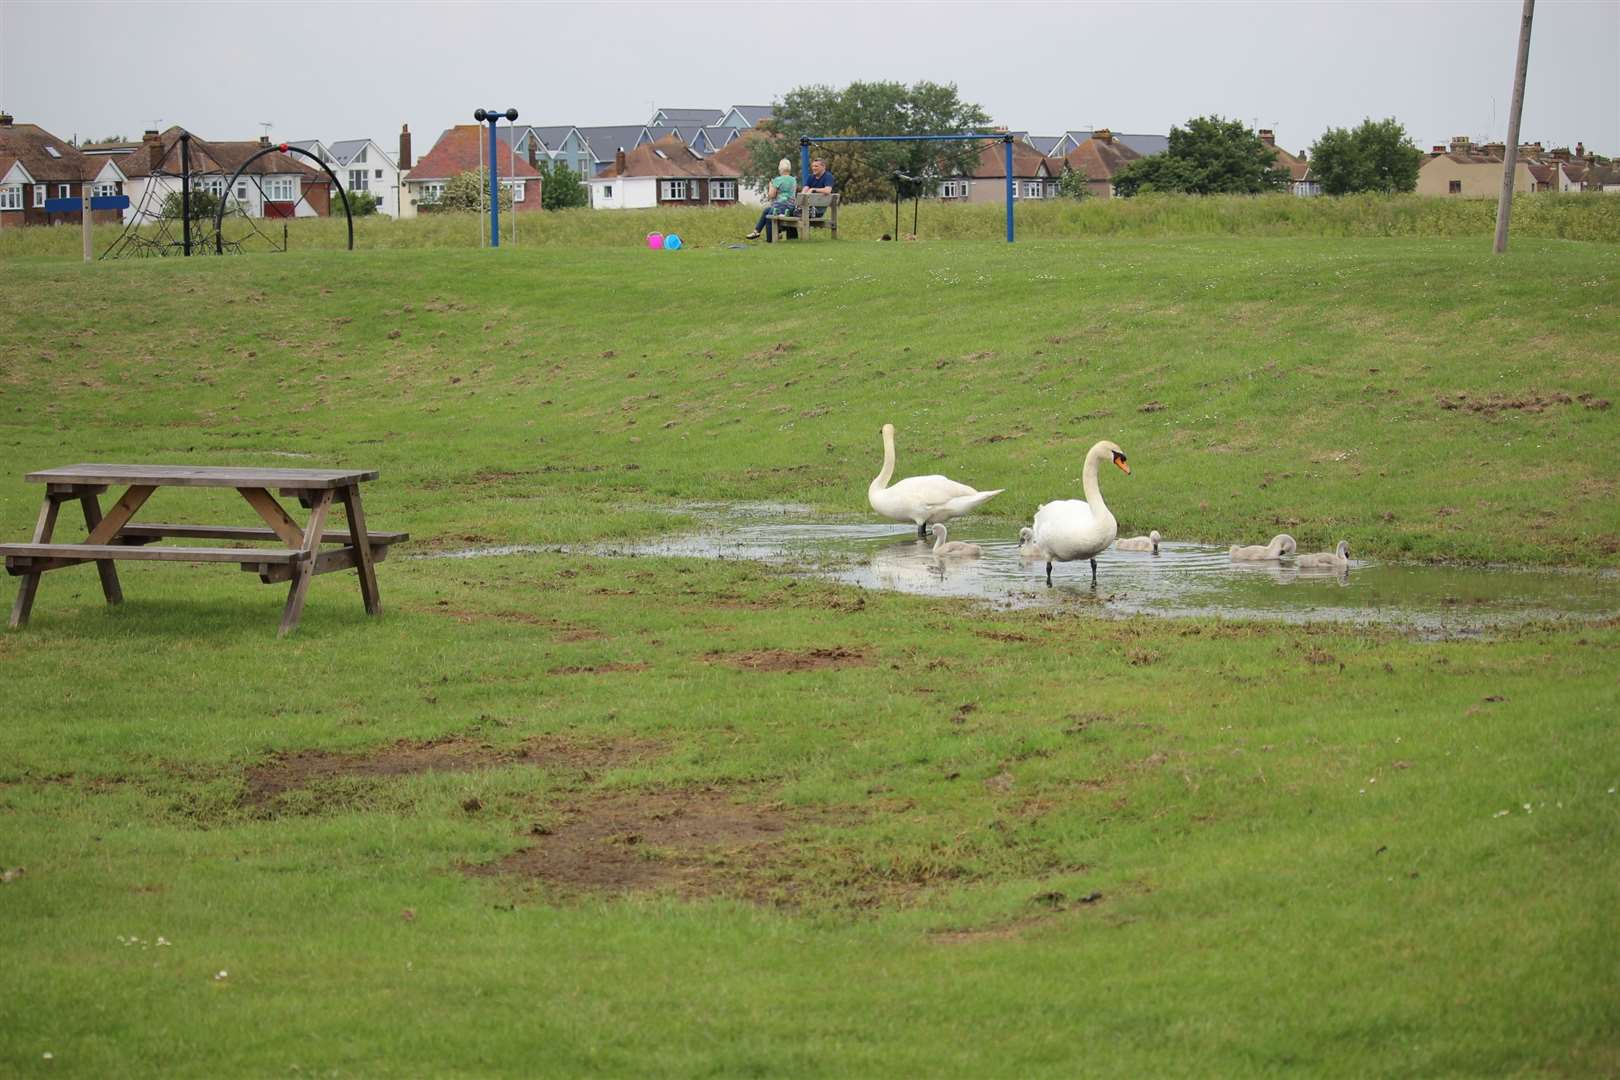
[{"x": 782, "y": 189}]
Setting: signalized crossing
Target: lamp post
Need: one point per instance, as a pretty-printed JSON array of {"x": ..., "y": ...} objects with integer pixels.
[{"x": 493, "y": 117}]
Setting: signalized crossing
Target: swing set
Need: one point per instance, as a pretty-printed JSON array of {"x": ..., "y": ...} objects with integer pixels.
[{"x": 1006, "y": 140}]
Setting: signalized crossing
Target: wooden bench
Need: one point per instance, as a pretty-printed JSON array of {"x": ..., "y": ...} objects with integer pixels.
[
  {"x": 804, "y": 216},
  {"x": 297, "y": 558}
]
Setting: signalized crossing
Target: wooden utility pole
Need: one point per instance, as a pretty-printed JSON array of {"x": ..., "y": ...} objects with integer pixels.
[
  {"x": 1510, "y": 156},
  {"x": 84, "y": 215}
]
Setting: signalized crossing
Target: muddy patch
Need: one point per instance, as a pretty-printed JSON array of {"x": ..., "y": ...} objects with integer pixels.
[
  {"x": 696, "y": 842},
  {"x": 1049, "y": 906},
  {"x": 291, "y": 771},
  {"x": 791, "y": 660}
]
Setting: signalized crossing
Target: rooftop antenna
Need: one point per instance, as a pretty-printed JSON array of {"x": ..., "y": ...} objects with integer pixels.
[{"x": 267, "y": 125}]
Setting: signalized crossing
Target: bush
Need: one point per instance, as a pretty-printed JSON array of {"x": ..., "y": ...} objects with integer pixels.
[
  {"x": 204, "y": 205},
  {"x": 560, "y": 187},
  {"x": 361, "y": 204},
  {"x": 467, "y": 193}
]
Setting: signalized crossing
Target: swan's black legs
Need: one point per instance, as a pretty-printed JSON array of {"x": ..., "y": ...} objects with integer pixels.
[
  {"x": 1049, "y": 573},
  {"x": 1093, "y": 573},
  {"x": 922, "y": 531}
]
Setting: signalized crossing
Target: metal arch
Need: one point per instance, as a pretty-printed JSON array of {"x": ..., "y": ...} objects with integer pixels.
[{"x": 283, "y": 148}]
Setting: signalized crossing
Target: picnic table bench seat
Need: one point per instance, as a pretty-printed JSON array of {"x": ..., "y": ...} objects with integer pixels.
[{"x": 810, "y": 210}]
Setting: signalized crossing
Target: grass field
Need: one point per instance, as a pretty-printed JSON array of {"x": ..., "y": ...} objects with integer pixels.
[{"x": 561, "y": 813}]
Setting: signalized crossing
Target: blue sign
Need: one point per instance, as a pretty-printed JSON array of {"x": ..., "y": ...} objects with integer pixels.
[{"x": 97, "y": 202}]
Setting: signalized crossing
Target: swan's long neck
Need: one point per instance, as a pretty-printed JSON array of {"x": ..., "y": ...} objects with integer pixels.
[
  {"x": 1088, "y": 480},
  {"x": 939, "y": 537},
  {"x": 881, "y": 481}
]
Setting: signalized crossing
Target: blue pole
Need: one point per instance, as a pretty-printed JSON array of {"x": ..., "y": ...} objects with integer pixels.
[
  {"x": 1007, "y": 143},
  {"x": 804, "y": 161},
  {"x": 494, "y": 187}
]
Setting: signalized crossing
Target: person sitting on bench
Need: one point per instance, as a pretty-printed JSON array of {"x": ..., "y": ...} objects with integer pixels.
[
  {"x": 782, "y": 188},
  {"x": 821, "y": 182}
]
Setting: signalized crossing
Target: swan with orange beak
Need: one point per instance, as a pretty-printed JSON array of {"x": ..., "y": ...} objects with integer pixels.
[{"x": 1069, "y": 530}]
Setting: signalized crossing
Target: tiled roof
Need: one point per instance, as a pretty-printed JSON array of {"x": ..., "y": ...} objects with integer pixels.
[
  {"x": 669, "y": 157},
  {"x": 1044, "y": 143},
  {"x": 1099, "y": 160},
  {"x": 462, "y": 149},
  {"x": 1028, "y": 163},
  {"x": 345, "y": 150},
  {"x": 754, "y": 114},
  {"x": 705, "y": 117},
  {"x": 208, "y": 156},
  {"x": 607, "y": 141},
  {"x": 1298, "y": 170},
  {"x": 33, "y": 146}
]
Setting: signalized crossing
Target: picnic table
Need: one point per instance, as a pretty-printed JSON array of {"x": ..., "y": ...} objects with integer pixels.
[{"x": 114, "y": 537}]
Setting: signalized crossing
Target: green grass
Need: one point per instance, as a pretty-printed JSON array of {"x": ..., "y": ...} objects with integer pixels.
[
  {"x": 1298, "y": 832},
  {"x": 1587, "y": 216}
]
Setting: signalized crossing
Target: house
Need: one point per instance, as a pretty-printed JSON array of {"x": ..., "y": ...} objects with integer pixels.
[
  {"x": 665, "y": 172},
  {"x": 687, "y": 117},
  {"x": 1098, "y": 159},
  {"x": 604, "y": 143},
  {"x": 363, "y": 165},
  {"x": 746, "y": 116},
  {"x": 1550, "y": 176},
  {"x": 463, "y": 149},
  {"x": 1460, "y": 168},
  {"x": 1044, "y": 144},
  {"x": 1146, "y": 145},
  {"x": 1299, "y": 170},
  {"x": 273, "y": 186},
  {"x": 36, "y": 166},
  {"x": 702, "y": 140},
  {"x": 1035, "y": 176},
  {"x": 560, "y": 144},
  {"x": 314, "y": 147}
]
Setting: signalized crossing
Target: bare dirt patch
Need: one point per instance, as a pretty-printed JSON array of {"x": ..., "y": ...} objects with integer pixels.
[
  {"x": 693, "y": 842},
  {"x": 1528, "y": 403},
  {"x": 294, "y": 770},
  {"x": 1051, "y": 905},
  {"x": 791, "y": 660},
  {"x": 597, "y": 669}
]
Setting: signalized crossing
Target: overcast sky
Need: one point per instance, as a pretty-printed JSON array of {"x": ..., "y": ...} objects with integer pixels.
[{"x": 339, "y": 70}]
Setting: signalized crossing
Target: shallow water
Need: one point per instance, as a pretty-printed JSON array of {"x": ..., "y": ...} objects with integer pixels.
[{"x": 1182, "y": 580}]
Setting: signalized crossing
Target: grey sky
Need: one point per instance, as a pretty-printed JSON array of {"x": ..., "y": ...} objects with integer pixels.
[{"x": 335, "y": 70}]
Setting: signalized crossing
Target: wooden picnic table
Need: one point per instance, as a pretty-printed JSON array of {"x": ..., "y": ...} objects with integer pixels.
[{"x": 113, "y": 537}]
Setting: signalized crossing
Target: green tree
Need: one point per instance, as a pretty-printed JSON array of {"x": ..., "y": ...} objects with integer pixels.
[
  {"x": 1210, "y": 156},
  {"x": 1074, "y": 185},
  {"x": 203, "y": 205},
  {"x": 1375, "y": 156},
  {"x": 468, "y": 192},
  {"x": 561, "y": 187},
  {"x": 361, "y": 204},
  {"x": 865, "y": 170}
]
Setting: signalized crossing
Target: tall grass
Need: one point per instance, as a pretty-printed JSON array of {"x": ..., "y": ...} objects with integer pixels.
[{"x": 1587, "y": 216}]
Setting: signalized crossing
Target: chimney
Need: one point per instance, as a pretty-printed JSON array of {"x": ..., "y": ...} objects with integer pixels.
[
  {"x": 1436, "y": 151},
  {"x": 154, "y": 148},
  {"x": 1268, "y": 137},
  {"x": 1460, "y": 144},
  {"x": 1496, "y": 150},
  {"x": 1561, "y": 154},
  {"x": 264, "y": 140},
  {"x": 1103, "y": 135},
  {"x": 404, "y": 147},
  {"x": 534, "y": 153},
  {"x": 1580, "y": 151},
  {"x": 618, "y": 162},
  {"x": 5, "y": 119}
]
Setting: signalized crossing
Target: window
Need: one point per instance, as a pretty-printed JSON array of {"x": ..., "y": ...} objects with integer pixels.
[
  {"x": 64, "y": 191},
  {"x": 516, "y": 187},
  {"x": 360, "y": 158},
  {"x": 39, "y": 196},
  {"x": 1031, "y": 189},
  {"x": 53, "y": 151},
  {"x": 607, "y": 191},
  {"x": 432, "y": 193},
  {"x": 953, "y": 189},
  {"x": 104, "y": 189},
  {"x": 358, "y": 179},
  {"x": 11, "y": 197},
  {"x": 241, "y": 191},
  {"x": 377, "y": 173},
  {"x": 212, "y": 185},
  {"x": 722, "y": 189},
  {"x": 673, "y": 190},
  {"x": 1456, "y": 187},
  {"x": 281, "y": 188}
]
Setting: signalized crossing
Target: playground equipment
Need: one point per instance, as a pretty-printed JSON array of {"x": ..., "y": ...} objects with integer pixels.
[{"x": 492, "y": 117}]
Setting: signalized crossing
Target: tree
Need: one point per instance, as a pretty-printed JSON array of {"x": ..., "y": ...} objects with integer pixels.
[
  {"x": 203, "y": 205},
  {"x": 1210, "y": 156},
  {"x": 361, "y": 204},
  {"x": 560, "y": 187},
  {"x": 468, "y": 192},
  {"x": 1375, "y": 156},
  {"x": 865, "y": 171},
  {"x": 1073, "y": 184}
]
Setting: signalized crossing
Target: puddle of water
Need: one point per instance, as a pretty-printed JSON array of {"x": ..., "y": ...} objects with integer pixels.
[{"x": 1183, "y": 580}]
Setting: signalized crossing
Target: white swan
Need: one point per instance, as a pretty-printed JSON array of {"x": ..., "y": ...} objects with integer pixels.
[
  {"x": 1338, "y": 557},
  {"x": 1150, "y": 542},
  {"x": 953, "y": 548},
  {"x": 921, "y": 500},
  {"x": 1027, "y": 548},
  {"x": 1281, "y": 544},
  {"x": 1069, "y": 530}
]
